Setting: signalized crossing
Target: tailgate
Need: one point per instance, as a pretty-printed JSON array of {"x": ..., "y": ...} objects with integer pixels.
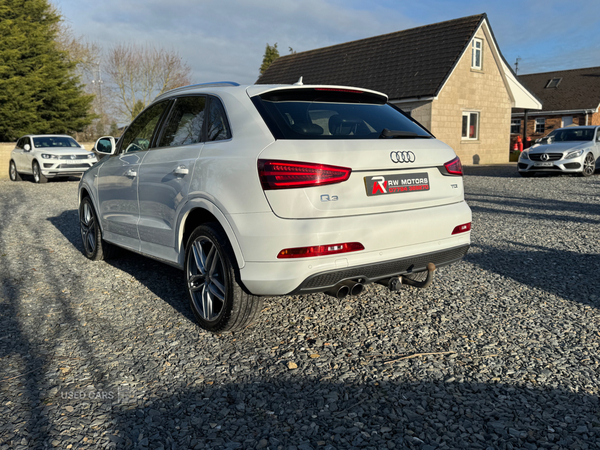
[{"x": 387, "y": 175}]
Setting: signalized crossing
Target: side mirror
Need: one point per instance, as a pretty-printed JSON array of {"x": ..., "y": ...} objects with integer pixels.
[
  {"x": 105, "y": 145},
  {"x": 27, "y": 147}
]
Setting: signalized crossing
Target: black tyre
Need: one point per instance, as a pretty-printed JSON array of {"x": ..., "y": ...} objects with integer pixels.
[
  {"x": 94, "y": 247},
  {"x": 526, "y": 174},
  {"x": 38, "y": 176},
  {"x": 12, "y": 172},
  {"x": 589, "y": 166},
  {"x": 216, "y": 298}
]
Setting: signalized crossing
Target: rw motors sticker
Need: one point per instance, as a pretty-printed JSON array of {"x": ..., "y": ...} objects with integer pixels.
[{"x": 396, "y": 184}]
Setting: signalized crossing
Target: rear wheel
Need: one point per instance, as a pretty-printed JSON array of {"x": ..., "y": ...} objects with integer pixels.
[
  {"x": 589, "y": 166},
  {"x": 38, "y": 176},
  {"x": 12, "y": 172},
  {"x": 216, "y": 298}
]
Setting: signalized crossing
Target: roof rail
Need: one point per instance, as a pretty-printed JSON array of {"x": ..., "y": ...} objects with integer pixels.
[{"x": 212, "y": 84}]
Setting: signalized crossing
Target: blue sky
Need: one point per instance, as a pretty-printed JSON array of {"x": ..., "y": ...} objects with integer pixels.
[{"x": 225, "y": 39}]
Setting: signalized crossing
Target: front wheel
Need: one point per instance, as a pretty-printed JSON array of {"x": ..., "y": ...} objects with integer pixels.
[
  {"x": 94, "y": 247},
  {"x": 589, "y": 166},
  {"x": 216, "y": 298},
  {"x": 38, "y": 176},
  {"x": 12, "y": 172}
]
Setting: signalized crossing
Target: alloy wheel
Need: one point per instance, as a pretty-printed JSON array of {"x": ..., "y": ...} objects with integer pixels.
[
  {"x": 206, "y": 278},
  {"x": 13, "y": 171},
  {"x": 589, "y": 166},
  {"x": 36, "y": 173},
  {"x": 87, "y": 225}
]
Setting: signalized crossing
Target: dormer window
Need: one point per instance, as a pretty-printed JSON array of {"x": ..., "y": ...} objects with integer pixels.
[
  {"x": 476, "y": 54},
  {"x": 554, "y": 82}
]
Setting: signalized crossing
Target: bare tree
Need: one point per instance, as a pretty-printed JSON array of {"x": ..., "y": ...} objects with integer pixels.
[
  {"x": 87, "y": 58},
  {"x": 140, "y": 73}
]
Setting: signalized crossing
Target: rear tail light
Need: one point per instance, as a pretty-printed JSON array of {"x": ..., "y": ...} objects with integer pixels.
[
  {"x": 454, "y": 167},
  {"x": 320, "y": 250},
  {"x": 462, "y": 228},
  {"x": 292, "y": 174}
]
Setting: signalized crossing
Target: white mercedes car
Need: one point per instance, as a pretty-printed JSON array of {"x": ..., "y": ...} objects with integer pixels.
[
  {"x": 274, "y": 190},
  {"x": 574, "y": 150},
  {"x": 48, "y": 156}
]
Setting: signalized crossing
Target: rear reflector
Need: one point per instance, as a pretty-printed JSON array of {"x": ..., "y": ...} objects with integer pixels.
[
  {"x": 292, "y": 174},
  {"x": 462, "y": 228},
  {"x": 320, "y": 250},
  {"x": 454, "y": 167}
]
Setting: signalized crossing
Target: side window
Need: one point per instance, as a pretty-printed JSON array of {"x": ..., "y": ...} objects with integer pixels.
[
  {"x": 19, "y": 144},
  {"x": 218, "y": 127},
  {"x": 185, "y": 122},
  {"x": 139, "y": 133}
]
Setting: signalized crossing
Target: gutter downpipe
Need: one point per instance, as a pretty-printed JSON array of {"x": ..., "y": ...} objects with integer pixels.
[{"x": 526, "y": 112}]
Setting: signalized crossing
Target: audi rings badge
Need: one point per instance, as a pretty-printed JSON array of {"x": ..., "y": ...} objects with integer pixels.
[{"x": 402, "y": 157}]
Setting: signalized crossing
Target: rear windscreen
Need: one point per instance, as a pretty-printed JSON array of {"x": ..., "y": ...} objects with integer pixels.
[{"x": 332, "y": 114}]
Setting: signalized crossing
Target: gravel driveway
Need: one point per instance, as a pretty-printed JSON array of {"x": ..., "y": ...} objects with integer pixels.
[{"x": 501, "y": 352}]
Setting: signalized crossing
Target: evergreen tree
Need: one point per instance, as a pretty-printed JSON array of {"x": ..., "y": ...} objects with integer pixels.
[
  {"x": 271, "y": 54},
  {"x": 39, "y": 90}
]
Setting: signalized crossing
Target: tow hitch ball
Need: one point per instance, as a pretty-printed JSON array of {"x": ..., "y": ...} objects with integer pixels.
[{"x": 395, "y": 283}]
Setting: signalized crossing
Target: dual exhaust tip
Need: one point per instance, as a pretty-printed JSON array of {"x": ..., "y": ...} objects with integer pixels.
[
  {"x": 345, "y": 288},
  {"x": 350, "y": 287}
]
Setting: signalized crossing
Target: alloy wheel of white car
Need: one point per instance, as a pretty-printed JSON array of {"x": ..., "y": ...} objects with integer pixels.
[
  {"x": 217, "y": 300},
  {"x": 38, "y": 176},
  {"x": 12, "y": 172},
  {"x": 94, "y": 247}
]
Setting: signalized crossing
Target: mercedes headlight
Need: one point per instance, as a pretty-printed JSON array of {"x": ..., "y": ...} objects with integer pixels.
[
  {"x": 574, "y": 154},
  {"x": 48, "y": 156},
  {"x": 524, "y": 155}
]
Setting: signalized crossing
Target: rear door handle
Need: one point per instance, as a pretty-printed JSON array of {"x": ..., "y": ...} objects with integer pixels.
[
  {"x": 181, "y": 170},
  {"x": 131, "y": 173}
]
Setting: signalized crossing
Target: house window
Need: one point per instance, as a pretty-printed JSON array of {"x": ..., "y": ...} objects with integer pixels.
[
  {"x": 540, "y": 125},
  {"x": 470, "y": 125},
  {"x": 554, "y": 82},
  {"x": 515, "y": 126},
  {"x": 477, "y": 51}
]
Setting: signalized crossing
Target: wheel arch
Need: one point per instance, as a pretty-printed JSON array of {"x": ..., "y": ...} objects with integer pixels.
[{"x": 201, "y": 211}]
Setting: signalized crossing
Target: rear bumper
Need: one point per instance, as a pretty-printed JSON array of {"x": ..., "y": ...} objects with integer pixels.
[
  {"x": 374, "y": 272},
  {"x": 395, "y": 243}
]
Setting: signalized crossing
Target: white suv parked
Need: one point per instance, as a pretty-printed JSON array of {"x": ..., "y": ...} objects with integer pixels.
[
  {"x": 48, "y": 156},
  {"x": 275, "y": 190}
]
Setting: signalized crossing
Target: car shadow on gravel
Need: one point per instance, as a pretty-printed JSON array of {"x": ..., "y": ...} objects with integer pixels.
[
  {"x": 165, "y": 281},
  {"x": 506, "y": 171},
  {"x": 537, "y": 209},
  {"x": 278, "y": 412},
  {"x": 567, "y": 274},
  {"x": 493, "y": 170}
]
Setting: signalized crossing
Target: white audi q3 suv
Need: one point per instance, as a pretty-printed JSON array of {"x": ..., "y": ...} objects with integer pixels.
[{"x": 273, "y": 190}]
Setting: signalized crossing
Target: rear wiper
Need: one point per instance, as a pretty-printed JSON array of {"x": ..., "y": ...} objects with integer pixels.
[{"x": 400, "y": 134}]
